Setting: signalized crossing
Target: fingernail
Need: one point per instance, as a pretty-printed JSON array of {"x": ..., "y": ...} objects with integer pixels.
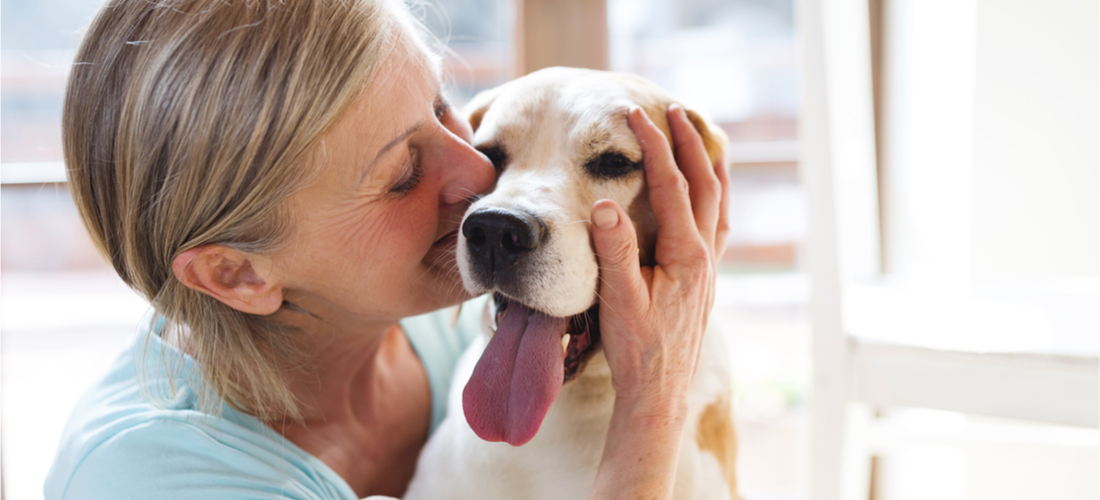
[
  {"x": 639, "y": 111},
  {"x": 605, "y": 217},
  {"x": 677, "y": 109}
]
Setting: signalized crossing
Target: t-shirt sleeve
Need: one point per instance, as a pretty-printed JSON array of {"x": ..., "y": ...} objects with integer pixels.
[
  {"x": 168, "y": 459},
  {"x": 439, "y": 339}
]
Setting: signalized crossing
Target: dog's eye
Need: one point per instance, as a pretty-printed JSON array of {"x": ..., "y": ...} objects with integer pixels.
[
  {"x": 497, "y": 155},
  {"x": 611, "y": 165}
]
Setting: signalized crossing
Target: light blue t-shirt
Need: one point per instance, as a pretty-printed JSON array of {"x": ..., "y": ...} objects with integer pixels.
[{"x": 119, "y": 445}]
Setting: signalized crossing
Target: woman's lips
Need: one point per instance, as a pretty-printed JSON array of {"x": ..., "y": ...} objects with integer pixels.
[
  {"x": 443, "y": 250},
  {"x": 448, "y": 240}
]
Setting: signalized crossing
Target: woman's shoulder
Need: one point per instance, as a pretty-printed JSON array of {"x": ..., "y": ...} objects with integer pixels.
[
  {"x": 170, "y": 458},
  {"x": 127, "y": 437}
]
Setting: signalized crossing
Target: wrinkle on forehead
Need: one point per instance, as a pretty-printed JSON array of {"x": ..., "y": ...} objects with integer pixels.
[
  {"x": 404, "y": 53},
  {"x": 400, "y": 93},
  {"x": 406, "y": 75}
]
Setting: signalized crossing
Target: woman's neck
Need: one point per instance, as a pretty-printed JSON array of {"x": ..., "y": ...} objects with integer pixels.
[{"x": 365, "y": 400}]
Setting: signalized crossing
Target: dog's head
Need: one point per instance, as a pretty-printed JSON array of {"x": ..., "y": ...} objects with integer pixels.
[{"x": 559, "y": 140}]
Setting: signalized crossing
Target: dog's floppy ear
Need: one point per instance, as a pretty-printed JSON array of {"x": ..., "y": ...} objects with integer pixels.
[
  {"x": 477, "y": 107},
  {"x": 477, "y": 115},
  {"x": 714, "y": 138}
]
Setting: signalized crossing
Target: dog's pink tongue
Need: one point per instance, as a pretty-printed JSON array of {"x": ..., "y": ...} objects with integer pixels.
[{"x": 518, "y": 377}]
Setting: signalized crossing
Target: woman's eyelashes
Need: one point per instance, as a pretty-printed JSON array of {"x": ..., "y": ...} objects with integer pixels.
[
  {"x": 414, "y": 171},
  {"x": 411, "y": 175},
  {"x": 442, "y": 107}
]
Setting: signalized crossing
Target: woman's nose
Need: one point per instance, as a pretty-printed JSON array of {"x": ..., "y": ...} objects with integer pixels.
[{"x": 467, "y": 172}]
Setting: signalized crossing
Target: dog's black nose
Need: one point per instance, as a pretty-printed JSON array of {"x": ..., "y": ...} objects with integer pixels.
[{"x": 498, "y": 237}]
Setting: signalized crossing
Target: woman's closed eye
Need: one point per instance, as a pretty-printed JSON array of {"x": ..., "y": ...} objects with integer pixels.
[
  {"x": 442, "y": 107},
  {"x": 413, "y": 171},
  {"x": 411, "y": 174}
]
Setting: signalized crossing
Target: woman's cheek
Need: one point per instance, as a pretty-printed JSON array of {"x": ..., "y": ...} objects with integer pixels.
[{"x": 408, "y": 231}]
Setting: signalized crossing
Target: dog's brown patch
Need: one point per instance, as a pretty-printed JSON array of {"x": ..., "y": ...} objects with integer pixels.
[
  {"x": 477, "y": 115},
  {"x": 645, "y": 226},
  {"x": 658, "y": 114},
  {"x": 713, "y": 140},
  {"x": 716, "y": 436}
]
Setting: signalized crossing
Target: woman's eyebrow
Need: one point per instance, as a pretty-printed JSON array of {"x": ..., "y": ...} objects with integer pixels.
[{"x": 389, "y": 145}]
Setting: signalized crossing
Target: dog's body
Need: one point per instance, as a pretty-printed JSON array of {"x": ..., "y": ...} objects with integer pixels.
[{"x": 560, "y": 140}]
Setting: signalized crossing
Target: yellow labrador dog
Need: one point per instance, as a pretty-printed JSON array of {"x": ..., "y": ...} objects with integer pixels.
[{"x": 535, "y": 393}]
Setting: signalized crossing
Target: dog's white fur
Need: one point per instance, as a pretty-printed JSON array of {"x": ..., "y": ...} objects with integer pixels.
[{"x": 549, "y": 123}]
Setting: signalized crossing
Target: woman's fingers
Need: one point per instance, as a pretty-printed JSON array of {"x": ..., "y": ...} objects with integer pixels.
[
  {"x": 691, "y": 156},
  {"x": 668, "y": 190},
  {"x": 653, "y": 319},
  {"x": 621, "y": 284}
]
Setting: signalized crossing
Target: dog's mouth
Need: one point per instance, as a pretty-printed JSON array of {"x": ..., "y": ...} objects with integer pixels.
[
  {"x": 581, "y": 339},
  {"x": 522, "y": 370}
]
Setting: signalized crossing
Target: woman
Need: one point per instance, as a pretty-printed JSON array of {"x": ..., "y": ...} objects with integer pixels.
[{"x": 284, "y": 182}]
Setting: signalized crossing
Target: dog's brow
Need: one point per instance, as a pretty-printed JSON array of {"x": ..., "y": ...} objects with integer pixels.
[{"x": 389, "y": 145}]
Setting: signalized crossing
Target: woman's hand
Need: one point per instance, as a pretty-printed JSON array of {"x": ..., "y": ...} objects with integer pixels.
[{"x": 652, "y": 319}]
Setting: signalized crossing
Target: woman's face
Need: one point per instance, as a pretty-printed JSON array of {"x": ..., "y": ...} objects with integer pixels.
[{"x": 374, "y": 235}]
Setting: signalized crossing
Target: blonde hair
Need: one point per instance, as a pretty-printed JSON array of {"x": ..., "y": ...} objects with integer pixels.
[{"x": 190, "y": 122}]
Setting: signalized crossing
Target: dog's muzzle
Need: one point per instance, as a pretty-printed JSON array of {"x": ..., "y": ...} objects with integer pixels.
[{"x": 498, "y": 239}]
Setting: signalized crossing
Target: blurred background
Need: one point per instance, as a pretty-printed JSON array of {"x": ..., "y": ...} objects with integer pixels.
[{"x": 959, "y": 228}]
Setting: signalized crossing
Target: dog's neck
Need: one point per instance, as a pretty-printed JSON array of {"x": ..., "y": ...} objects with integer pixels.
[{"x": 591, "y": 388}]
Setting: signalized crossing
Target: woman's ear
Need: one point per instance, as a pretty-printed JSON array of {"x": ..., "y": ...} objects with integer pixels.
[{"x": 231, "y": 277}]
